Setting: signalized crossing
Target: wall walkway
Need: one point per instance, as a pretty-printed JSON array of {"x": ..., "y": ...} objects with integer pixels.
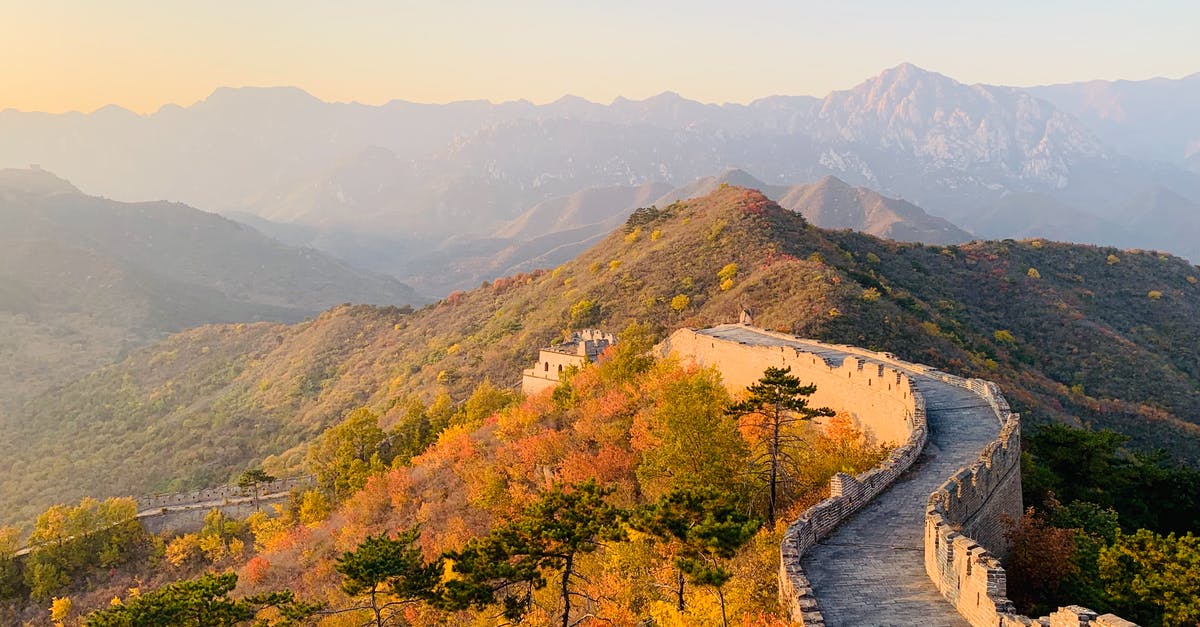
[{"x": 855, "y": 559}]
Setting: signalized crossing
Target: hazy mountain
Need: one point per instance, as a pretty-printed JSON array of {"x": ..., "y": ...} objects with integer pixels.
[
  {"x": 84, "y": 279},
  {"x": 554, "y": 231},
  {"x": 1163, "y": 219},
  {"x": 545, "y": 235},
  {"x": 599, "y": 205},
  {"x": 432, "y": 173},
  {"x": 1151, "y": 119},
  {"x": 1032, "y": 215},
  {"x": 706, "y": 185},
  {"x": 832, "y": 204},
  {"x": 204, "y": 404}
]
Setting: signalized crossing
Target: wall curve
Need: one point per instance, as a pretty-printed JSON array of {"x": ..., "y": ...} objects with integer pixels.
[
  {"x": 965, "y": 517},
  {"x": 881, "y": 400}
]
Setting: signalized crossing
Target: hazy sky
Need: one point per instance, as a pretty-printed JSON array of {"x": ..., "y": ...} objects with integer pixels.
[{"x": 140, "y": 54}]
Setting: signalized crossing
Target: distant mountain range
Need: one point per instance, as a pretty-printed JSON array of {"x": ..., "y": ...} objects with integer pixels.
[
  {"x": 84, "y": 279},
  {"x": 1089, "y": 162},
  {"x": 1152, "y": 119}
]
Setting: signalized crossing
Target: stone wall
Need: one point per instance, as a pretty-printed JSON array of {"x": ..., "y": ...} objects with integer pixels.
[
  {"x": 965, "y": 518},
  {"x": 546, "y": 372},
  {"x": 190, "y": 518},
  {"x": 879, "y": 398},
  {"x": 219, "y": 494}
]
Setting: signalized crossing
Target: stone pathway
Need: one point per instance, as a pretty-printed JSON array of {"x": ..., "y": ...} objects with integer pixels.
[{"x": 871, "y": 570}]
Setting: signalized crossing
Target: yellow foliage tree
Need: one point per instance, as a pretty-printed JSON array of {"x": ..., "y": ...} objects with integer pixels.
[{"x": 60, "y": 610}]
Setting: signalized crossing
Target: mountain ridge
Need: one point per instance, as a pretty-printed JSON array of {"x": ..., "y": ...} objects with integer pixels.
[
  {"x": 1075, "y": 336},
  {"x": 83, "y": 280}
]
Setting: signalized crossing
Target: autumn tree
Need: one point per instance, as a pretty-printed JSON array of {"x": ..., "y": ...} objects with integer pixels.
[
  {"x": 1153, "y": 579},
  {"x": 10, "y": 570},
  {"x": 1042, "y": 558},
  {"x": 485, "y": 400},
  {"x": 774, "y": 405},
  {"x": 687, "y": 438},
  {"x": 345, "y": 454},
  {"x": 630, "y": 357},
  {"x": 68, "y": 540},
  {"x": 546, "y": 540},
  {"x": 390, "y": 573},
  {"x": 201, "y": 602},
  {"x": 705, "y": 528}
]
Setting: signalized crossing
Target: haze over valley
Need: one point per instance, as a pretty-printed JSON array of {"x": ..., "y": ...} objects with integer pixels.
[{"x": 395, "y": 187}]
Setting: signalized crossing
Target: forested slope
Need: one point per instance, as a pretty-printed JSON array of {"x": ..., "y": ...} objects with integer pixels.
[{"x": 1074, "y": 333}]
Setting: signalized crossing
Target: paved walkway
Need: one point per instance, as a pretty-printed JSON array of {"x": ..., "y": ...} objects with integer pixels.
[{"x": 871, "y": 570}]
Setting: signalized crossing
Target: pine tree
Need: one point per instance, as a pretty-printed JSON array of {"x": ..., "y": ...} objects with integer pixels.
[
  {"x": 390, "y": 572},
  {"x": 545, "y": 540},
  {"x": 706, "y": 527},
  {"x": 774, "y": 405},
  {"x": 201, "y": 602}
]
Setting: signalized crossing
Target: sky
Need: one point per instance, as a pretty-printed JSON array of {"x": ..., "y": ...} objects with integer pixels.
[{"x": 58, "y": 56}]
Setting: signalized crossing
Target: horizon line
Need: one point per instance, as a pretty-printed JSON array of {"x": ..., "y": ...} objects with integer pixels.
[{"x": 566, "y": 96}]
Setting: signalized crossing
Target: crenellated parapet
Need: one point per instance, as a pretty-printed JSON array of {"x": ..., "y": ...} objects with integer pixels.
[
  {"x": 965, "y": 517},
  {"x": 969, "y": 513},
  {"x": 880, "y": 399}
]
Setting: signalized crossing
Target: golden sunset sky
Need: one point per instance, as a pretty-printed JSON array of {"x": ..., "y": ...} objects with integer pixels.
[{"x": 141, "y": 54}]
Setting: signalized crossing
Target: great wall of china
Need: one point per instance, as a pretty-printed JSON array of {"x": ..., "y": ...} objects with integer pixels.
[
  {"x": 914, "y": 540},
  {"x": 184, "y": 512}
]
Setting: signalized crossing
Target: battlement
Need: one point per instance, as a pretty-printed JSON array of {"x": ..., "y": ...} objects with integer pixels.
[
  {"x": 879, "y": 397},
  {"x": 580, "y": 348},
  {"x": 964, "y": 528}
]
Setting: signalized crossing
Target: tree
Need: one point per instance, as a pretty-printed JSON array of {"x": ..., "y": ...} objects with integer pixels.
[
  {"x": 60, "y": 610},
  {"x": 628, "y": 358},
  {"x": 706, "y": 528},
  {"x": 584, "y": 313},
  {"x": 1041, "y": 560},
  {"x": 773, "y": 406},
  {"x": 344, "y": 455},
  {"x": 10, "y": 570},
  {"x": 547, "y": 538},
  {"x": 687, "y": 438},
  {"x": 1153, "y": 579},
  {"x": 201, "y": 602},
  {"x": 252, "y": 478},
  {"x": 390, "y": 572}
]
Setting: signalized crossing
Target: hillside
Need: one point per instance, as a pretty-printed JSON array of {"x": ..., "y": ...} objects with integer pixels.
[
  {"x": 1070, "y": 332},
  {"x": 83, "y": 280}
]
